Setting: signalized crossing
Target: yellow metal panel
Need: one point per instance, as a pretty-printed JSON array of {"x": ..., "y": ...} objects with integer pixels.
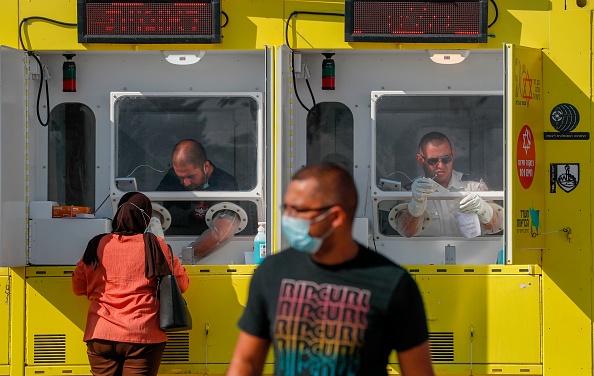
[
  {"x": 567, "y": 266},
  {"x": 521, "y": 22},
  {"x": 4, "y": 318},
  {"x": 493, "y": 319},
  {"x": 58, "y": 370},
  {"x": 214, "y": 329},
  {"x": 8, "y": 22},
  {"x": 474, "y": 269},
  {"x": 55, "y": 318},
  {"x": 17, "y": 320},
  {"x": 482, "y": 369},
  {"x": 43, "y": 35},
  {"x": 252, "y": 24},
  {"x": 526, "y": 172},
  {"x": 216, "y": 298},
  {"x": 583, "y": 5}
]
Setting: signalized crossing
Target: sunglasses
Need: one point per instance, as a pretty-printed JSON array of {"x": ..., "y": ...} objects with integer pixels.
[{"x": 434, "y": 161}]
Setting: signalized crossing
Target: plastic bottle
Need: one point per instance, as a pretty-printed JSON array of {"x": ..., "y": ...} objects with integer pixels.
[{"x": 260, "y": 244}]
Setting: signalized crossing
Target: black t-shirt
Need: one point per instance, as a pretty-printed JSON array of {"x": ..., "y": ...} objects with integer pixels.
[
  {"x": 334, "y": 320},
  {"x": 188, "y": 217}
]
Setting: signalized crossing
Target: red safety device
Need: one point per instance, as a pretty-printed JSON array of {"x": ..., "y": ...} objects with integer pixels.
[{"x": 69, "y": 74}]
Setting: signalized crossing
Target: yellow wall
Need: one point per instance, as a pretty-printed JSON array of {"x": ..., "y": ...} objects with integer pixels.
[
  {"x": 256, "y": 23},
  {"x": 252, "y": 25},
  {"x": 9, "y": 20},
  {"x": 567, "y": 266}
]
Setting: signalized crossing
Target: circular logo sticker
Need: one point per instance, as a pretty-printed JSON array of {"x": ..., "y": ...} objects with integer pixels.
[
  {"x": 526, "y": 157},
  {"x": 200, "y": 210},
  {"x": 565, "y": 117}
]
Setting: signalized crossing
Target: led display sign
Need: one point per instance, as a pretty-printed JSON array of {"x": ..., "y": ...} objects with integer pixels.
[
  {"x": 462, "y": 21},
  {"x": 143, "y": 22}
]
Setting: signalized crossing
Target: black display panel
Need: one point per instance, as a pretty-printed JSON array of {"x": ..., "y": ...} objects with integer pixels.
[
  {"x": 438, "y": 21},
  {"x": 144, "y": 22}
]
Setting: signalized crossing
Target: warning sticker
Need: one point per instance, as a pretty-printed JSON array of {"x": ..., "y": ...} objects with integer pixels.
[{"x": 526, "y": 157}]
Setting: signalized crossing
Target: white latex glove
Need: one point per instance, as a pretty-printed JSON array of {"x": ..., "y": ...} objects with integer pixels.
[
  {"x": 156, "y": 228},
  {"x": 421, "y": 188},
  {"x": 473, "y": 203}
]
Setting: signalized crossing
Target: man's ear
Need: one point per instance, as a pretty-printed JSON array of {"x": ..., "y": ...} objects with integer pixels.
[
  {"x": 208, "y": 167},
  {"x": 420, "y": 160},
  {"x": 340, "y": 216}
]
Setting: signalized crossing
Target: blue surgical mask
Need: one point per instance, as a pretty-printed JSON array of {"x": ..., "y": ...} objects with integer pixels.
[{"x": 296, "y": 230}]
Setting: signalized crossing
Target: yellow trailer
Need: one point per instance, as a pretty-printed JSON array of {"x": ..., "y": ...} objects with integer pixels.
[{"x": 250, "y": 80}]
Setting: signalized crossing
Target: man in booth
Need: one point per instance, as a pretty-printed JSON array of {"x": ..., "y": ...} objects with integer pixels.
[
  {"x": 448, "y": 217},
  {"x": 192, "y": 171}
]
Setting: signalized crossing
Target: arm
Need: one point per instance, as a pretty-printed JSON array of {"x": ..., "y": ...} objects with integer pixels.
[
  {"x": 496, "y": 223},
  {"x": 181, "y": 275},
  {"x": 249, "y": 355},
  {"x": 220, "y": 232},
  {"x": 416, "y": 361},
  {"x": 408, "y": 225},
  {"x": 79, "y": 279}
]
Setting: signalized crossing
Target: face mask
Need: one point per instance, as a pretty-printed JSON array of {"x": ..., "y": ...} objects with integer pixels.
[{"x": 296, "y": 230}]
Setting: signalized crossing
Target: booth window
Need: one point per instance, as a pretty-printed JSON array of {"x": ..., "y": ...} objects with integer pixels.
[
  {"x": 472, "y": 122},
  {"x": 148, "y": 127},
  {"x": 330, "y": 135},
  {"x": 71, "y": 159}
]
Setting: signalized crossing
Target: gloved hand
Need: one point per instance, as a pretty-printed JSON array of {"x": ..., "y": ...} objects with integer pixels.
[
  {"x": 473, "y": 203},
  {"x": 155, "y": 227},
  {"x": 421, "y": 188}
]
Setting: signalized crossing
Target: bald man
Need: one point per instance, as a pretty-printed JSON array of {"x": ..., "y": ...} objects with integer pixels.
[
  {"x": 192, "y": 171},
  {"x": 328, "y": 305}
]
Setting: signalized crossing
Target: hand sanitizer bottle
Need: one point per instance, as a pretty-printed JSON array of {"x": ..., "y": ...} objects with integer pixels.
[{"x": 260, "y": 244}]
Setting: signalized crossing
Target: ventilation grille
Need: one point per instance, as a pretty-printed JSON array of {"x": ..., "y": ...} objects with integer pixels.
[
  {"x": 49, "y": 348},
  {"x": 442, "y": 346},
  {"x": 177, "y": 348}
]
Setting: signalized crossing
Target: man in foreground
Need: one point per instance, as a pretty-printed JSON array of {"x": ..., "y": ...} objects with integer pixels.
[{"x": 328, "y": 305}]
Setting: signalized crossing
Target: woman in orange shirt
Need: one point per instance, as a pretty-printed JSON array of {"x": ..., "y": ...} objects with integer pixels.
[{"x": 118, "y": 273}]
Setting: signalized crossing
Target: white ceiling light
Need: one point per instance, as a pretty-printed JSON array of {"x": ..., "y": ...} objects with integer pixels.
[
  {"x": 183, "y": 57},
  {"x": 448, "y": 56}
]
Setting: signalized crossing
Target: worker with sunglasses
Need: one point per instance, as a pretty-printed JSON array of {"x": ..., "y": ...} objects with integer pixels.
[{"x": 436, "y": 158}]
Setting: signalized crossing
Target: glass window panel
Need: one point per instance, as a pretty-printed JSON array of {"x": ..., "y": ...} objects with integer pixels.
[
  {"x": 148, "y": 127},
  {"x": 473, "y": 123},
  {"x": 71, "y": 159},
  {"x": 330, "y": 134}
]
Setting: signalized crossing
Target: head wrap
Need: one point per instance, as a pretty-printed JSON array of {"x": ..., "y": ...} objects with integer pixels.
[{"x": 133, "y": 217}]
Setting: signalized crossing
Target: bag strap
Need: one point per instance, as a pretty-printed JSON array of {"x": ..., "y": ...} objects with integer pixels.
[{"x": 159, "y": 279}]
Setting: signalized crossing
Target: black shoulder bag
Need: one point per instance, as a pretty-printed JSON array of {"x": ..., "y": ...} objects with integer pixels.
[{"x": 174, "y": 315}]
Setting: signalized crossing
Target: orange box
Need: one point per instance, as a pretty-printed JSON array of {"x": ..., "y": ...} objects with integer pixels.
[{"x": 69, "y": 211}]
